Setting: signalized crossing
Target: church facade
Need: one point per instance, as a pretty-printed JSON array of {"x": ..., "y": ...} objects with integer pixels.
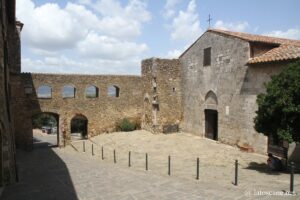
[{"x": 220, "y": 76}]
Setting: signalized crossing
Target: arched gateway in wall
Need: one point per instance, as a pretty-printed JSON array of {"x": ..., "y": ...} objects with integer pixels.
[
  {"x": 79, "y": 127},
  {"x": 211, "y": 115},
  {"x": 51, "y": 126}
]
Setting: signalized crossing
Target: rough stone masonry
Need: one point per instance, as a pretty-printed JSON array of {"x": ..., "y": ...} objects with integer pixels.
[{"x": 210, "y": 91}]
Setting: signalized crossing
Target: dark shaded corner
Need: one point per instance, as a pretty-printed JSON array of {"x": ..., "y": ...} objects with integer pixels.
[
  {"x": 263, "y": 168},
  {"x": 42, "y": 175}
]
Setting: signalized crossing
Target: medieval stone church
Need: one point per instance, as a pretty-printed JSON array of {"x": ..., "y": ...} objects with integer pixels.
[
  {"x": 217, "y": 80},
  {"x": 210, "y": 91}
]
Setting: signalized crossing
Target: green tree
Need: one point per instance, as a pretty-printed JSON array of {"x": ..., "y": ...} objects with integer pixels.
[
  {"x": 43, "y": 119},
  {"x": 278, "y": 112},
  {"x": 126, "y": 125}
]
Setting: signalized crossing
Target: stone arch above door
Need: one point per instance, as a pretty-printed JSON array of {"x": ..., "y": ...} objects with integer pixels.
[{"x": 211, "y": 101}]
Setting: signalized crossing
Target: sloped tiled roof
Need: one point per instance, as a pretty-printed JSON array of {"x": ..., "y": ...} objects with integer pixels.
[
  {"x": 284, "y": 49},
  {"x": 256, "y": 38},
  {"x": 281, "y": 53}
]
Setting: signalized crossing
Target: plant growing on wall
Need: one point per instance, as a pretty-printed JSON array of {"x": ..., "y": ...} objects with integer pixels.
[
  {"x": 278, "y": 113},
  {"x": 126, "y": 125}
]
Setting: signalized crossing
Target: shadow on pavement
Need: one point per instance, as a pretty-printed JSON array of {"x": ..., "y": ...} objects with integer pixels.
[
  {"x": 42, "y": 175},
  {"x": 263, "y": 168}
]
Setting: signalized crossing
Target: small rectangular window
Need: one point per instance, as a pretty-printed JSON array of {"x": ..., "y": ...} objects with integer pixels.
[{"x": 207, "y": 57}]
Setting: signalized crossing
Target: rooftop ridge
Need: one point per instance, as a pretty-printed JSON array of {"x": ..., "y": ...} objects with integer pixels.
[
  {"x": 284, "y": 49},
  {"x": 257, "y": 38}
]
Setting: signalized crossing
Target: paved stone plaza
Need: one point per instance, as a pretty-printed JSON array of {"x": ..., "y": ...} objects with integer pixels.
[
  {"x": 53, "y": 173},
  {"x": 217, "y": 160}
]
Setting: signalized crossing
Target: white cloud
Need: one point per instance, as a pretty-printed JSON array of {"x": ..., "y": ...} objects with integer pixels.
[
  {"x": 105, "y": 47},
  {"x": 170, "y": 8},
  {"x": 64, "y": 64},
  {"x": 90, "y": 33},
  {"x": 186, "y": 26},
  {"x": 175, "y": 53},
  {"x": 83, "y": 17},
  {"x": 232, "y": 26},
  {"x": 135, "y": 9},
  {"x": 85, "y": 2},
  {"x": 121, "y": 21},
  {"x": 41, "y": 52},
  {"x": 292, "y": 33},
  {"x": 48, "y": 26}
]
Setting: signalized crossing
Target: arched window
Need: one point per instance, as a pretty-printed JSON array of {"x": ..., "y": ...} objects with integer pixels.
[
  {"x": 113, "y": 91},
  {"x": 44, "y": 92},
  {"x": 68, "y": 91},
  {"x": 91, "y": 92}
]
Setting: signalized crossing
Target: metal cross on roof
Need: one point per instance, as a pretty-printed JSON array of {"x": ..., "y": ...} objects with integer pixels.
[{"x": 209, "y": 20}]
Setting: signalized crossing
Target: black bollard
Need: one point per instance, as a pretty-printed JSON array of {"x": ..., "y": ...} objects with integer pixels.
[
  {"x": 129, "y": 160},
  {"x": 236, "y": 172},
  {"x": 198, "y": 162},
  {"x": 92, "y": 149},
  {"x": 169, "y": 165},
  {"x": 146, "y": 162},
  {"x": 115, "y": 161},
  {"x": 83, "y": 146},
  {"x": 292, "y": 178},
  {"x": 102, "y": 156}
]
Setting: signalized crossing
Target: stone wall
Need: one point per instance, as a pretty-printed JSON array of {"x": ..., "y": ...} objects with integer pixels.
[
  {"x": 7, "y": 147},
  {"x": 234, "y": 84},
  {"x": 102, "y": 112},
  {"x": 162, "y": 94},
  {"x": 258, "y": 49}
]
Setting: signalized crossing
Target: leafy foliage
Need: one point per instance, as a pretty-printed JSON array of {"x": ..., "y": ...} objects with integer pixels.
[
  {"x": 126, "y": 125},
  {"x": 278, "y": 112},
  {"x": 43, "y": 119}
]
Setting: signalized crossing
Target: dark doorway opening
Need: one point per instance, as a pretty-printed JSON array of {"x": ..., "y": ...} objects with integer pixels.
[
  {"x": 79, "y": 127},
  {"x": 211, "y": 124},
  {"x": 45, "y": 129}
]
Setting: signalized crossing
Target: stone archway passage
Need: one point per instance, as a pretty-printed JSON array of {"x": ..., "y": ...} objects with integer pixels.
[
  {"x": 211, "y": 124},
  {"x": 79, "y": 127},
  {"x": 45, "y": 129}
]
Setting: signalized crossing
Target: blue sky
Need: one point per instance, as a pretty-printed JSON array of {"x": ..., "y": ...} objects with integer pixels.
[{"x": 113, "y": 36}]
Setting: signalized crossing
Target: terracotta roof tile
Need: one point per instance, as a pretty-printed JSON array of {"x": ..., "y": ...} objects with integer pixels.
[
  {"x": 284, "y": 49},
  {"x": 287, "y": 49},
  {"x": 281, "y": 53},
  {"x": 256, "y": 38}
]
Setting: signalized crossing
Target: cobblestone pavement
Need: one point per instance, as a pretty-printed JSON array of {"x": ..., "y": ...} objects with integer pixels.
[
  {"x": 217, "y": 160},
  {"x": 53, "y": 173}
]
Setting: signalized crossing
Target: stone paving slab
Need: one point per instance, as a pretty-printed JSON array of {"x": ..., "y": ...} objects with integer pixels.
[
  {"x": 53, "y": 173},
  {"x": 216, "y": 159}
]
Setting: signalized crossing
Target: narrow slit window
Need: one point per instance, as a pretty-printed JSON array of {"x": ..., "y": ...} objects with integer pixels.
[{"x": 207, "y": 57}]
